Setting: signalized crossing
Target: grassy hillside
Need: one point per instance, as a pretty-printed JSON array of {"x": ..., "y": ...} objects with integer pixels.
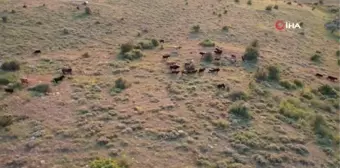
[{"x": 122, "y": 107}]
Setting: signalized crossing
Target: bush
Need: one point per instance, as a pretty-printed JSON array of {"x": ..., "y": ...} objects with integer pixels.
[
  {"x": 41, "y": 88},
  {"x": 307, "y": 94},
  {"x": 4, "y": 19},
  {"x": 251, "y": 54},
  {"x": 298, "y": 83},
  {"x": 88, "y": 11},
  {"x": 261, "y": 74},
  {"x": 269, "y": 7},
  {"x": 121, "y": 83},
  {"x": 328, "y": 91},
  {"x": 319, "y": 126},
  {"x": 109, "y": 163},
  {"x": 316, "y": 58},
  {"x": 196, "y": 28},
  {"x": 5, "y": 121},
  {"x": 207, "y": 43},
  {"x": 238, "y": 95},
  {"x": 290, "y": 109},
  {"x": 276, "y": 7},
  {"x": 288, "y": 85},
  {"x": 273, "y": 73},
  {"x": 4, "y": 81},
  {"x": 10, "y": 66},
  {"x": 124, "y": 48},
  {"x": 154, "y": 42},
  {"x": 249, "y": 2},
  {"x": 146, "y": 44},
  {"x": 241, "y": 111},
  {"x": 289, "y": 3},
  {"x": 208, "y": 57},
  {"x": 321, "y": 2},
  {"x": 225, "y": 28},
  {"x": 221, "y": 124},
  {"x": 337, "y": 53},
  {"x": 237, "y": 1},
  {"x": 133, "y": 54}
]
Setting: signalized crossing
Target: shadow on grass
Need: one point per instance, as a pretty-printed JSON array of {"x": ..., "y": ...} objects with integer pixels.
[
  {"x": 249, "y": 66},
  {"x": 80, "y": 16}
]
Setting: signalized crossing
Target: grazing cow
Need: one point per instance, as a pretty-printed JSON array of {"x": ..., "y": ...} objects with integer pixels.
[
  {"x": 202, "y": 53},
  {"x": 201, "y": 70},
  {"x": 24, "y": 81},
  {"x": 166, "y": 56},
  {"x": 214, "y": 70},
  {"x": 332, "y": 78},
  {"x": 174, "y": 66},
  {"x": 58, "y": 79},
  {"x": 37, "y": 52},
  {"x": 78, "y": 8},
  {"x": 221, "y": 86},
  {"x": 218, "y": 51},
  {"x": 193, "y": 71},
  {"x": 318, "y": 75},
  {"x": 161, "y": 41},
  {"x": 217, "y": 58},
  {"x": 66, "y": 71},
  {"x": 9, "y": 90},
  {"x": 233, "y": 56},
  {"x": 25, "y": 6},
  {"x": 318, "y": 52}
]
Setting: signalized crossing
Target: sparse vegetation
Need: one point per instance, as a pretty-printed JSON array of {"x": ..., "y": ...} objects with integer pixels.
[
  {"x": 207, "y": 43},
  {"x": 337, "y": 53},
  {"x": 261, "y": 74},
  {"x": 225, "y": 28},
  {"x": 291, "y": 108},
  {"x": 126, "y": 47},
  {"x": 10, "y": 66},
  {"x": 237, "y": 1},
  {"x": 4, "y": 19},
  {"x": 88, "y": 11},
  {"x": 238, "y": 95},
  {"x": 109, "y": 163},
  {"x": 288, "y": 85},
  {"x": 249, "y": 2},
  {"x": 120, "y": 85},
  {"x": 5, "y": 120},
  {"x": 298, "y": 83},
  {"x": 208, "y": 57},
  {"x": 251, "y": 54},
  {"x": 276, "y": 7},
  {"x": 133, "y": 54},
  {"x": 328, "y": 91}
]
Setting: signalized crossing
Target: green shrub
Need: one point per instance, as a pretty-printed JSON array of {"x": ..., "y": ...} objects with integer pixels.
[
  {"x": 207, "y": 43},
  {"x": 298, "y": 83},
  {"x": 155, "y": 42},
  {"x": 337, "y": 53},
  {"x": 251, "y": 54},
  {"x": 320, "y": 127},
  {"x": 276, "y": 7},
  {"x": 10, "y": 66},
  {"x": 288, "y": 85},
  {"x": 291, "y": 109},
  {"x": 196, "y": 28},
  {"x": 238, "y": 95},
  {"x": 316, "y": 58},
  {"x": 269, "y": 7},
  {"x": 124, "y": 48},
  {"x": 249, "y": 2},
  {"x": 133, "y": 54},
  {"x": 307, "y": 94},
  {"x": 273, "y": 73},
  {"x": 289, "y": 3},
  {"x": 321, "y": 105},
  {"x": 328, "y": 91},
  {"x": 241, "y": 111},
  {"x": 4, "y": 81},
  {"x": 225, "y": 28},
  {"x": 5, "y": 120},
  {"x": 261, "y": 74},
  {"x": 146, "y": 44},
  {"x": 109, "y": 163},
  {"x": 41, "y": 88},
  {"x": 221, "y": 124},
  {"x": 338, "y": 61},
  {"x": 208, "y": 57}
]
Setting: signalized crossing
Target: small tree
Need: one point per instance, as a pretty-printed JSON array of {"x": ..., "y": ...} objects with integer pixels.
[
  {"x": 251, "y": 54},
  {"x": 10, "y": 66},
  {"x": 273, "y": 73}
]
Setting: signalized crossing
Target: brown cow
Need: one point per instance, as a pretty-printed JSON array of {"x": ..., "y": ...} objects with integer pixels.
[
  {"x": 166, "y": 56},
  {"x": 24, "y": 81},
  {"x": 66, "y": 71},
  {"x": 332, "y": 78},
  {"x": 318, "y": 75}
]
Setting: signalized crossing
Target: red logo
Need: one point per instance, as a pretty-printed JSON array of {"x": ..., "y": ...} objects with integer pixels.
[{"x": 280, "y": 25}]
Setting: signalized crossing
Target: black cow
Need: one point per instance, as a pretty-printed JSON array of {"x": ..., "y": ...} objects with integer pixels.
[
  {"x": 214, "y": 70},
  {"x": 201, "y": 70},
  {"x": 332, "y": 78},
  {"x": 174, "y": 66},
  {"x": 202, "y": 53},
  {"x": 218, "y": 51},
  {"x": 166, "y": 56},
  {"x": 37, "y": 52},
  {"x": 78, "y": 8},
  {"x": 161, "y": 41},
  {"x": 175, "y": 72},
  {"x": 318, "y": 75},
  {"x": 25, "y": 6},
  {"x": 66, "y": 71},
  {"x": 9, "y": 90},
  {"x": 58, "y": 79},
  {"x": 221, "y": 86}
]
